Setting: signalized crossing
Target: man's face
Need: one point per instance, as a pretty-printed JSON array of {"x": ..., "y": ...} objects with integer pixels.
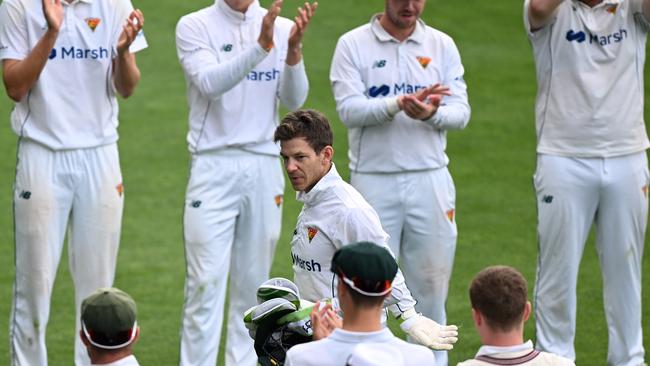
[
  {"x": 404, "y": 13},
  {"x": 304, "y": 167}
]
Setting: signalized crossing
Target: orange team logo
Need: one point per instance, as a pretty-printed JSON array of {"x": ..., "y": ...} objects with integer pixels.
[
  {"x": 278, "y": 200},
  {"x": 450, "y": 214},
  {"x": 93, "y": 23},
  {"x": 120, "y": 189},
  {"x": 645, "y": 190},
  {"x": 424, "y": 61},
  {"x": 311, "y": 232},
  {"x": 612, "y": 8}
]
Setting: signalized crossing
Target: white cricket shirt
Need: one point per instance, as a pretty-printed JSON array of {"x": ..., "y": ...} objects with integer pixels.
[
  {"x": 73, "y": 103},
  {"x": 233, "y": 84},
  {"x": 589, "y": 64},
  {"x": 522, "y": 354},
  {"x": 334, "y": 214},
  {"x": 369, "y": 70},
  {"x": 344, "y": 347}
]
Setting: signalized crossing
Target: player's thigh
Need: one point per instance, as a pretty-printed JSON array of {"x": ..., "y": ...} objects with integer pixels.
[
  {"x": 430, "y": 232},
  {"x": 42, "y": 204},
  {"x": 209, "y": 214},
  {"x": 623, "y": 210},
  {"x": 383, "y": 193}
]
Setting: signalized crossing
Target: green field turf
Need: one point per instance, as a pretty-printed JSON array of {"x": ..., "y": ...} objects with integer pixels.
[{"x": 492, "y": 163}]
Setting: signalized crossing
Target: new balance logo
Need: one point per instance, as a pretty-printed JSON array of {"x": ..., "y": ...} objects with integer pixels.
[
  {"x": 226, "y": 47},
  {"x": 195, "y": 204},
  {"x": 379, "y": 64},
  {"x": 547, "y": 199},
  {"x": 575, "y": 36},
  {"x": 25, "y": 195}
]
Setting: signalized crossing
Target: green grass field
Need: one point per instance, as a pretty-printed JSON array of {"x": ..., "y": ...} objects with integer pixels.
[{"x": 492, "y": 162}]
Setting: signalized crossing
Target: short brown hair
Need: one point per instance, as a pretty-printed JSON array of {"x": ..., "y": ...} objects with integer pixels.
[
  {"x": 500, "y": 294},
  {"x": 309, "y": 124}
]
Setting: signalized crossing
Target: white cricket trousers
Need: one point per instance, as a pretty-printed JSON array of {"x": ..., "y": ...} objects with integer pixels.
[
  {"x": 573, "y": 193},
  {"x": 417, "y": 210},
  {"x": 232, "y": 222},
  {"x": 75, "y": 191}
]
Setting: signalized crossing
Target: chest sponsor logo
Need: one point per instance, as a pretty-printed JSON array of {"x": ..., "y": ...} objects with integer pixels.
[
  {"x": 397, "y": 89},
  {"x": 74, "y": 53},
  {"x": 93, "y": 23},
  {"x": 598, "y": 39},
  {"x": 263, "y": 75},
  {"x": 311, "y": 233},
  {"x": 226, "y": 47},
  {"x": 424, "y": 61},
  {"x": 379, "y": 64},
  {"x": 306, "y": 264}
]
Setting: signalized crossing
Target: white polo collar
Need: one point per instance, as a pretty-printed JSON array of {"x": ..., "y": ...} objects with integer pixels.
[
  {"x": 492, "y": 350},
  {"x": 417, "y": 36},
  {"x": 237, "y": 15}
]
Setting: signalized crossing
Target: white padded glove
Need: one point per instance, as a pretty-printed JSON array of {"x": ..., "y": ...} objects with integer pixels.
[{"x": 427, "y": 332}]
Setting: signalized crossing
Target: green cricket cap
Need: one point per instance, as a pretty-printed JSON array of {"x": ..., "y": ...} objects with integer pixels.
[
  {"x": 366, "y": 267},
  {"x": 108, "y": 318}
]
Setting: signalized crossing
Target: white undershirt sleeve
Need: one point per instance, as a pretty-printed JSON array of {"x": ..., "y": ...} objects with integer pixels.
[
  {"x": 294, "y": 86},
  {"x": 454, "y": 110},
  {"x": 14, "y": 42},
  {"x": 358, "y": 226},
  {"x": 201, "y": 64},
  {"x": 353, "y": 106}
]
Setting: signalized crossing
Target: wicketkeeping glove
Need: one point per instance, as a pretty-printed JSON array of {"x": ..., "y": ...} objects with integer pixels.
[{"x": 427, "y": 332}]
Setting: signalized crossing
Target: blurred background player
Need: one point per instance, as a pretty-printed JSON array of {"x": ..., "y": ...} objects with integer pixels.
[
  {"x": 239, "y": 61},
  {"x": 591, "y": 164},
  {"x": 365, "y": 272},
  {"x": 500, "y": 307},
  {"x": 109, "y": 328},
  {"x": 334, "y": 214},
  {"x": 399, "y": 87},
  {"x": 63, "y": 62}
]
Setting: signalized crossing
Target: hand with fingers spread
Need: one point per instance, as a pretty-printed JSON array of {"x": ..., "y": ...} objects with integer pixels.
[
  {"x": 130, "y": 31},
  {"x": 53, "y": 11},
  {"x": 424, "y": 103},
  {"x": 324, "y": 320},
  {"x": 268, "y": 22},
  {"x": 302, "y": 20}
]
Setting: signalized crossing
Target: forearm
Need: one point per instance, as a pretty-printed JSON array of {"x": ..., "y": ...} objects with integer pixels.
[
  {"x": 126, "y": 75},
  {"x": 294, "y": 86},
  {"x": 20, "y": 76},
  {"x": 400, "y": 296},
  {"x": 451, "y": 117},
  {"x": 216, "y": 79},
  {"x": 540, "y": 11},
  {"x": 359, "y": 111}
]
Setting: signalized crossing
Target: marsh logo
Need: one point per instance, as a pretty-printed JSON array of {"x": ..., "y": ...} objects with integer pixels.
[
  {"x": 573, "y": 36},
  {"x": 602, "y": 40},
  {"x": 309, "y": 265},
  {"x": 79, "y": 53},
  {"x": 376, "y": 91},
  {"x": 263, "y": 75},
  {"x": 397, "y": 89}
]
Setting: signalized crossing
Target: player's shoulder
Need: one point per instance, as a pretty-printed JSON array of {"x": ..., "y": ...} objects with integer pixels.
[
  {"x": 356, "y": 34},
  {"x": 196, "y": 19},
  {"x": 414, "y": 354},
  {"x": 556, "y": 360},
  {"x": 310, "y": 353},
  {"x": 437, "y": 34}
]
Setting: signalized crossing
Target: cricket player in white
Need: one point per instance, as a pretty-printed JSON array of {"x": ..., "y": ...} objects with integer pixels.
[
  {"x": 591, "y": 164},
  {"x": 63, "y": 62},
  {"x": 364, "y": 273},
  {"x": 399, "y": 87},
  {"x": 239, "y": 60},
  {"x": 334, "y": 214}
]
